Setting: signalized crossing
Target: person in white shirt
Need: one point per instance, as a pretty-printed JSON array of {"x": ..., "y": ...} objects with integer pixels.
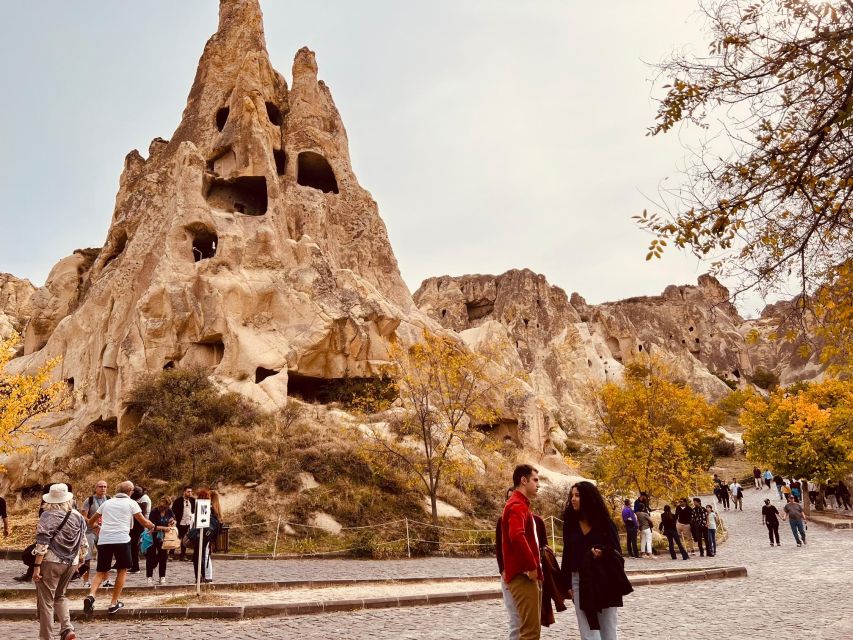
[
  {"x": 116, "y": 516},
  {"x": 713, "y": 523},
  {"x": 737, "y": 494},
  {"x": 184, "y": 509}
]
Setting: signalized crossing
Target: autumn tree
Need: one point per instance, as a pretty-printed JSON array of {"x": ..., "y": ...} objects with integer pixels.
[
  {"x": 768, "y": 194},
  {"x": 23, "y": 398},
  {"x": 445, "y": 391},
  {"x": 655, "y": 434},
  {"x": 803, "y": 431}
]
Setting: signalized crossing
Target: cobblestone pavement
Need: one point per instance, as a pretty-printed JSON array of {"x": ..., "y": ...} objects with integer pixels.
[{"x": 764, "y": 605}]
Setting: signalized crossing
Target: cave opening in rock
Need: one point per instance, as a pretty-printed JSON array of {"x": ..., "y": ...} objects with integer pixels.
[
  {"x": 343, "y": 390},
  {"x": 261, "y": 374},
  {"x": 313, "y": 170},
  {"x": 169, "y": 365},
  {"x": 207, "y": 352},
  {"x": 502, "y": 430},
  {"x": 222, "y": 117},
  {"x": 204, "y": 243},
  {"x": 280, "y": 161},
  {"x": 105, "y": 425},
  {"x": 479, "y": 309},
  {"x": 246, "y": 195},
  {"x": 274, "y": 114}
]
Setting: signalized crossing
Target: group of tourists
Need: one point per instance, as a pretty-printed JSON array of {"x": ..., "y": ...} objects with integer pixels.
[
  {"x": 591, "y": 574},
  {"x": 114, "y": 531},
  {"x": 832, "y": 494},
  {"x": 730, "y": 495}
]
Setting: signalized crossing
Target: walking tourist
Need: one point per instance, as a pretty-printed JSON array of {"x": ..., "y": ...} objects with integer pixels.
[
  {"x": 216, "y": 526},
  {"x": 718, "y": 493},
  {"x": 116, "y": 515},
  {"x": 713, "y": 523},
  {"x": 522, "y": 572},
  {"x": 756, "y": 477},
  {"x": 631, "y": 528},
  {"x": 4, "y": 516},
  {"x": 829, "y": 495},
  {"x": 770, "y": 518},
  {"x": 797, "y": 519},
  {"x": 724, "y": 494},
  {"x": 779, "y": 481},
  {"x": 737, "y": 494},
  {"x": 184, "y": 510},
  {"x": 842, "y": 494},
  {"x": 90, "y": 507},
  {"x": 668, "y": 528},
  {"x": 796, "y": 489},
  {"x": 768, "y": 478},
  {"x": 60, "y": 538},
  {"x": 684, "y": 516},
  {"x": 812, "y": 489},
  {"x": 699, "y": 525},
  {"x": 156, "y": 556},
  {"x": 144, "y": 503},
  {"x": 644, "y": 520},
  {"x": 591, "y": 557}
]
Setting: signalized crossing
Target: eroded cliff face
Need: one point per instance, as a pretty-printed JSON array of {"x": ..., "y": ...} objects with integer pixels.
[
  {"x": 244, "y": 244},
  {"x": 15, "y": 304},
  {"x": 566, "y": 346}
]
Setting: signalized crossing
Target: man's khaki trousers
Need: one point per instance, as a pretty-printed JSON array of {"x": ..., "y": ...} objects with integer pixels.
[{"x": 527, "y": 595}]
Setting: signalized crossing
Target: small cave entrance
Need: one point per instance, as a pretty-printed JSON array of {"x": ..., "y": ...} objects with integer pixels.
[
  {"x": 169, "y": 365},
  {"x": 246, "y": 195},
  {"x": 105, "y": 425},
  {"x": 204, "y": 243},
  {"x": 280, "y": 161},
  {"x": 344, "y": 390},
  {"x": 313, "y": 170},
  {"x": 222, "y": 117},
  {"x": 274, "y": 114},
  {"x": 262, "y": 374},
  {"x": 208, "y": 352},
  {"x": 615, "y": 348},
  {"x": 479, "y": 309},
  {"x": 504, "y": 431}
]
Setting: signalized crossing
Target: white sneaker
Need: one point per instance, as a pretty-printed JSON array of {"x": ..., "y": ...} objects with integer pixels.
[
  {"x": 106, "y": 584},
  {"x": 149, "y": 581},
  {"x": 163, "y": 580},
  {"x": 86, "y": 585}
]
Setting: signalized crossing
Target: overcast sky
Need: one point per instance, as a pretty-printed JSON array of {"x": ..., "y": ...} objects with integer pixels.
[{"x": 494, "y": 134}]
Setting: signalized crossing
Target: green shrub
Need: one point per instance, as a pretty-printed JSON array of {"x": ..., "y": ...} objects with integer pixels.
[
  {"x": 723, "y": 448},
  {"x": 764, "y": 379}
]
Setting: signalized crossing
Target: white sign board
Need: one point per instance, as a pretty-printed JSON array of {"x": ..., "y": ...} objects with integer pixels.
[{"x": 202, "y": 514}]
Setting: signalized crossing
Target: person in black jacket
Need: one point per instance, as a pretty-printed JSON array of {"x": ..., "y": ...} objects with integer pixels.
[
  {"x": 592, "y": 561},
  {"x": 184, "y": 509},
  {"x": 668, "y": 528}
]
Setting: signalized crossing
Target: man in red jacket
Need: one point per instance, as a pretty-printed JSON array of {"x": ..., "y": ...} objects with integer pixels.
[{"x": 522, "y": 568}]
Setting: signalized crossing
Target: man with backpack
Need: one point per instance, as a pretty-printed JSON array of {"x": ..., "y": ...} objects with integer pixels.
[{"x": 89, "y": 509}]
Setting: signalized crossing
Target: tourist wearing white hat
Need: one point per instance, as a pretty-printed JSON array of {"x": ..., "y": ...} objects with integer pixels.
[{"x": 60, "y": 541}]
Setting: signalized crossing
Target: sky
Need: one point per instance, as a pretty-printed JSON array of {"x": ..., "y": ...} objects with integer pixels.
[{"x": 493, "y": 134}]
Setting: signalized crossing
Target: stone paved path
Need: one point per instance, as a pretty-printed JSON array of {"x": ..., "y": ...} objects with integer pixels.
[{"x": 764, "y": 605}]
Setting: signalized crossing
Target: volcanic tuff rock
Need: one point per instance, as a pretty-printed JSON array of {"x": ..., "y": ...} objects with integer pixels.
[
  {"x": 562, "y": 344},
  {"x": 243, "y": 244},
  {"x": 15, "y": 304}
]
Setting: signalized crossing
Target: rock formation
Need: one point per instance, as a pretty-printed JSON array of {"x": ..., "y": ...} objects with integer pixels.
[
  {"x": 243, "y": 244},
  {"x": 15, "y": 304},
  {"x": 563, "y": 344}
]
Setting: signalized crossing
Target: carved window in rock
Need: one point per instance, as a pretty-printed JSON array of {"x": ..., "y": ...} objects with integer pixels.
[
  {"x": 262, "y": 373},
  {"x": 274, "y": 114},
  {"x": 246, "y": 195},
  {"x": 222, "y": 117},
  {"x": 204, "y": 242},
  {"x": 313, "y": 170}
]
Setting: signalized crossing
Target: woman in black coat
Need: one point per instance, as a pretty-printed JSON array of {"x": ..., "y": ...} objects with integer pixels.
[{"x": 592, "y": 562}]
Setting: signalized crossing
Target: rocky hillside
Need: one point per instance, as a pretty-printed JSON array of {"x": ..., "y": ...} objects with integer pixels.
[{"x": 563, "y": 344}]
